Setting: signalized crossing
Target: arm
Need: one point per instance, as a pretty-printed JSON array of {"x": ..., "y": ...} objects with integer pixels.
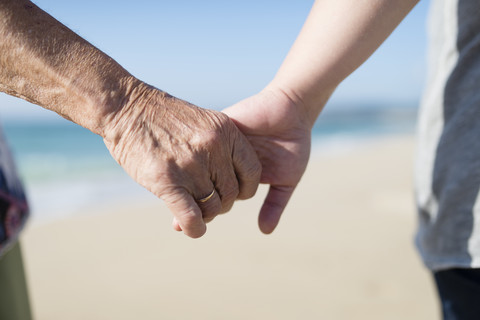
[
  {"x": 338, "y": 36},
  {"x": 176, "y": 150}
]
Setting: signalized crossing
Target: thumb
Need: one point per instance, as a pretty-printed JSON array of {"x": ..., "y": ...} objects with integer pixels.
[{"x": 273, "y": 206}]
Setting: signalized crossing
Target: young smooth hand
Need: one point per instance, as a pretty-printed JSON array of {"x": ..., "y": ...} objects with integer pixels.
[{"x": 281, "y": 136}]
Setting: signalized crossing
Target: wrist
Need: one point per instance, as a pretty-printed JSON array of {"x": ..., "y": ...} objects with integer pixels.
[
  {"x": 307, "y": 107},
  {"x": 126, "y": 108},
  {"x": 116, "y": 100}
]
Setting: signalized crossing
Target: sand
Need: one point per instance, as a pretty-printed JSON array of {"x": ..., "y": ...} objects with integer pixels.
[{"x": 343, "y": 250}]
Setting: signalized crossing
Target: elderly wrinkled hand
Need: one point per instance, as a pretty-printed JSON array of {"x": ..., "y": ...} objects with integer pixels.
[{"x": 196, "y": 160}]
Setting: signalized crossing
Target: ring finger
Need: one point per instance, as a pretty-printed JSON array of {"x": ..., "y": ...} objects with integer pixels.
[{"x": 210, "y": 204}]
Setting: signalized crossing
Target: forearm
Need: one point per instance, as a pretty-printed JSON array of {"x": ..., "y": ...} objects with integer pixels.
[
  {"x": 338, "y": 36},
  {"x": 44, "y": 62}
]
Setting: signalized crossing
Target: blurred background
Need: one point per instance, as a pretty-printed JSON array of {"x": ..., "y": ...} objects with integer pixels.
[{"x": 100, "y": 247}]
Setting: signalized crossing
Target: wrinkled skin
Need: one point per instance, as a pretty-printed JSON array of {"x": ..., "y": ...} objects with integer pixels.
[
  {"x": 181, "y": 153},
  {"x": 176, "y": 150},
  {"x": 281, "y": 135}
]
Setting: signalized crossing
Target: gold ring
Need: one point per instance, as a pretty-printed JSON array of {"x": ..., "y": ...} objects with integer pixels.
[{"x": 205, "y": 199}]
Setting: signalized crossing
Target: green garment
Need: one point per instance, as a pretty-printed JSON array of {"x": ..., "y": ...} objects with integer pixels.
[{"x": 14, "y": 303}]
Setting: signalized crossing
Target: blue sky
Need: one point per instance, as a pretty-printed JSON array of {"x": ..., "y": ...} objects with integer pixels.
[{"x": 213, "y": 53}]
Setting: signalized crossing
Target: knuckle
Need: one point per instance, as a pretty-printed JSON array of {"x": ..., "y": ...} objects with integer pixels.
[
  {"x": 188, "y": 219},
  {"x": 256, "y": 170},
  {"x": 251, "y": 170},
  {"x": 229, "y": 198},
  {"x": 187, "y": 162},
  {"x": 219, "y": 118},
  {"x": 208, "y": 217},
  {"x": 211, "y": 210},
  {"x": 219, "y": 129},
  {"x": 227, "y": 207},
  {"x": 204, "y": 146},
  {"x": 170, "y": 193},
  {"x": 191, "y": 226},
  {"x": 248, "y": 191},
  {"x": 212, "y": 139},
  {"x": 231, "y": 195}
]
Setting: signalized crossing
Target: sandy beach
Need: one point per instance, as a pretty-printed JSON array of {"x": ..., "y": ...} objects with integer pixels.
[{"x": 344, "y": 250}]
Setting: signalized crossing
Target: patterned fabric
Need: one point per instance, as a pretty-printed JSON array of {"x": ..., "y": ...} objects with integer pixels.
[{"x": 13, "y": 205}]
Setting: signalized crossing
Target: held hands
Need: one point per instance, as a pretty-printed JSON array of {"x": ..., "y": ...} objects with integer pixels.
[
  {"x": 181, "y": 153},
  {"x": 280, "y": 133}
]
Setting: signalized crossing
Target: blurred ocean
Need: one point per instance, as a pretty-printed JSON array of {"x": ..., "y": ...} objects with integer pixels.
[{"x": 67, "y": 169}]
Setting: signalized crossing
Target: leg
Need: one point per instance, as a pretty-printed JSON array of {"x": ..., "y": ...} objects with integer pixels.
[
  {"x": 459, "y": 291},
  {"x": 14, "y": 302}
]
